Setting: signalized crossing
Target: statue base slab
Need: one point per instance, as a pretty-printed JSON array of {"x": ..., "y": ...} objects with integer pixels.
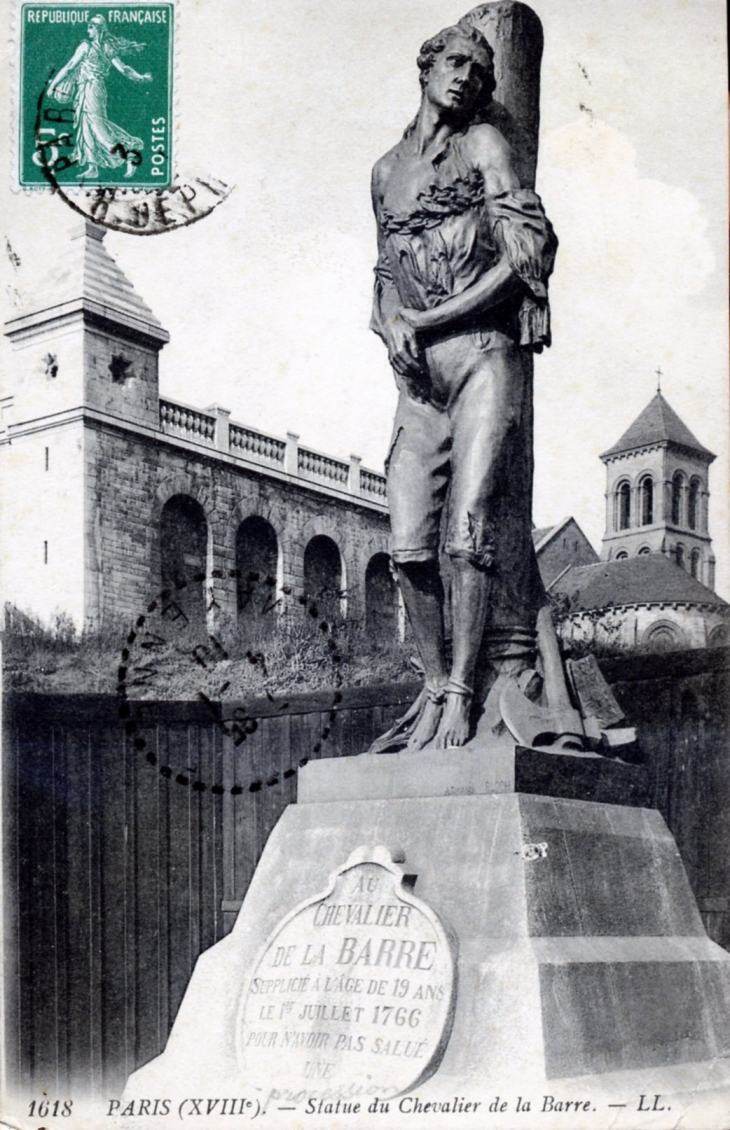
[
  {"x": 475, "y": 770},
  {"x": 583, "y": 964}
]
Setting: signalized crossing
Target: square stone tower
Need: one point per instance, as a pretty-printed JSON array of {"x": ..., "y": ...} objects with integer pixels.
[{"x": 86, "y": 351}]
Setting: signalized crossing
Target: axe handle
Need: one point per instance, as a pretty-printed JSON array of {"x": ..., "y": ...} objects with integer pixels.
[{"x": 556, "y": 687}]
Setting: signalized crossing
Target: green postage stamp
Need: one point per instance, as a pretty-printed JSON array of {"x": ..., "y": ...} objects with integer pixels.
[{"x": 95, "y": 95}]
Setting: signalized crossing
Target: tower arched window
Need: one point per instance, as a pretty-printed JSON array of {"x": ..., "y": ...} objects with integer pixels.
[
  {"x": 679, "y": 557},
  {"x": 693, "y": 504},
  {"x": 695, "y": 562},
  {"x": 622, "y": 511},
  {"x": 678, "y": 485},
  {"x": 646, "y": 494}
]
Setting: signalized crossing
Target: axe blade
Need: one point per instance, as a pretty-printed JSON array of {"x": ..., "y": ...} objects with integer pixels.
[{"x": 533, "y": 725}]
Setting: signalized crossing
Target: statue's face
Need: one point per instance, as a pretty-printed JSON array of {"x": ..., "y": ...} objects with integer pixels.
[
  {"x": 93, "y": 31},
  {"x": 456, "y": 76}
]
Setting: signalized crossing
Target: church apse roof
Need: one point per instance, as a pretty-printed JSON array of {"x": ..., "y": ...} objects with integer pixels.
[
  {"x": 658, "y": 423},
  {"x": 85, "y": 276},
  {"x": 647, "y": 579}
]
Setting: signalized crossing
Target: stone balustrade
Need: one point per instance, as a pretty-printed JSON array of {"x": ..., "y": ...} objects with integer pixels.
[
  {"x": 190, "y": 423},
  {"x": 321, "y": 466},
  {"x": 255, "y": 445},
  {"x": 214, "y": 428},
  {"x": 372, "y": 484}
]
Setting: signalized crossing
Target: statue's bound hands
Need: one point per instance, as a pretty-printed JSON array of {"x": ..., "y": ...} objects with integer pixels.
[{"x": 404, "y": 352}]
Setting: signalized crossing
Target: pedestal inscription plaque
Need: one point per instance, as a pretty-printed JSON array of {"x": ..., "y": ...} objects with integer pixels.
[{"x": 355, "y": 988}]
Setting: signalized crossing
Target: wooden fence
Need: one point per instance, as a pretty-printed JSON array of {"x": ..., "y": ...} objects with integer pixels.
[
  {"x": 130, "y": 842},
  {"x": 131, "y": 835}
]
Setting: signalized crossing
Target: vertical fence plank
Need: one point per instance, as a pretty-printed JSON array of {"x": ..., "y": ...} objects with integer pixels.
[
  {"x": 163, "y": 865},
  {"x": 179, "y": 876},
  {"x": 63, "y": 956},
  {"x": 95, "y": 821},
  {"x": 208, "y": 807},
  {"x": 147, "y": 899},
  {"x": 109, "y": 814},
  {"x": 130, "y": 755},
  {"x": 40, "y": 909},
  {"x": 12, "y": 1013},
  {"x": 244, "y": 818},
  {"x": 80, "y": 877},
  {"x": 229, "y": 827},
  {"x": 190, "y": 772}
]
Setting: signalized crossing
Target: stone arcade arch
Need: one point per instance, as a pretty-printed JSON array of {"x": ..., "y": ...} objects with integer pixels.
[
  {"x": 183, "y": 555},
  {"x": 257, "y": 575},
  {"x": 381, "y": 598},
  {"x": 323, "y": 579}
]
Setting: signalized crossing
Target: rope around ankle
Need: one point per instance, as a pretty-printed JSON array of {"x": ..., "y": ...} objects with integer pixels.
[
  {"x": 436, "y": 694},
  {"x": 455, "y": 686}
]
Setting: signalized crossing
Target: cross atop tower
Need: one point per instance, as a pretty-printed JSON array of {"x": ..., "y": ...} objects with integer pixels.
[{"x": 659, "y": 376}]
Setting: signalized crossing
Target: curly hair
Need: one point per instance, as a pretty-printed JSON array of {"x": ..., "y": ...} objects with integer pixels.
[{"x": 434, "y": 46}]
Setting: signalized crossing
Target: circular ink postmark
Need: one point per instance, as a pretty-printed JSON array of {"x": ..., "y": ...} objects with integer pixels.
[
  {"x": 132, "y": 210},
  {"x": 170, "y": 627}
]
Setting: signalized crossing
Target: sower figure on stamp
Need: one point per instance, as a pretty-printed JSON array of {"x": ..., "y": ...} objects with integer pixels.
[
  {"x": 461, "y": 301},
  {"x": 99, "y": 141}
]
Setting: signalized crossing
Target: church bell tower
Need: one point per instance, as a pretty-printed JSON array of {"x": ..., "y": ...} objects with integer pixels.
[{"x": 657, "y": 493}]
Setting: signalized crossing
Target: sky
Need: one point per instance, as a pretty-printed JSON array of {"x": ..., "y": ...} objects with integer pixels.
[{"x": 267, "y": 300}]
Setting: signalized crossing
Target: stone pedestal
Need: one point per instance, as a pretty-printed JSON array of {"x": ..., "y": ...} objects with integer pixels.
[{"x": 581, "y": 952}]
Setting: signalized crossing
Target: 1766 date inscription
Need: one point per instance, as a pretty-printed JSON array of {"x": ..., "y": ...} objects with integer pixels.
[{"x": 355, "y": 988}]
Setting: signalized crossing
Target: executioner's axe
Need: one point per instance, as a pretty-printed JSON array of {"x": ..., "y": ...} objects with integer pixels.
[{"x": 558, "y": 724}]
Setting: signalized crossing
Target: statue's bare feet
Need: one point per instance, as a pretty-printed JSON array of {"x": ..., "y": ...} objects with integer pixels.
[
  {"x": 425, "y": 729},
  {"x": 453, "y": 730},
  {"x": 428, "y": 721},
  {"x": 92, "y": 171}
]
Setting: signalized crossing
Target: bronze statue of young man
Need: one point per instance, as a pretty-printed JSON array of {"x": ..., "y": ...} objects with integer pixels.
[{"x": 460, "y": 301}]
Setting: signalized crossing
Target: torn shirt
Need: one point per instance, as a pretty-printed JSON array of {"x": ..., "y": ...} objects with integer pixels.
[{"x": 453, "y": 236}]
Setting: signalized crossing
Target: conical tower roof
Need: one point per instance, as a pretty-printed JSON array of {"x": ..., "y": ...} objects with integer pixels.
[
  {"x": 86, "y": 278},
  {"x": 658, "y": 423}
]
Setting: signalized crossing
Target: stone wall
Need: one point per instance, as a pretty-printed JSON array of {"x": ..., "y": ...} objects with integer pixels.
[
  {"x": 667, "y": 625},
  {"x": 131, "y": 474}
]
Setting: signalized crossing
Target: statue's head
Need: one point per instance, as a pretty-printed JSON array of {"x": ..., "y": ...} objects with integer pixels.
[
  {"x": 457, "y": 70},
  {"x": 97, "y": 27}
]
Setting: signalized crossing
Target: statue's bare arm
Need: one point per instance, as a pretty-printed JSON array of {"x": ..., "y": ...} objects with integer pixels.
[{"x": 491, "y": 154}]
